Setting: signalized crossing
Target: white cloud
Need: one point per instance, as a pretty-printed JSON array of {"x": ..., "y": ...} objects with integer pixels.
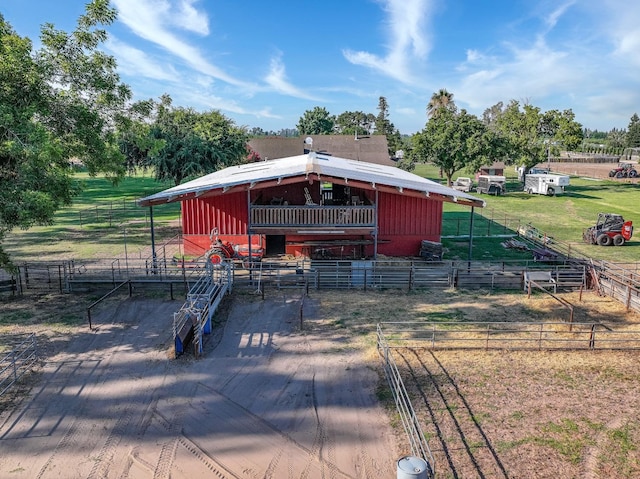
[
  {"x": 151, "y": 20},
  {"x": 552, "y": 18},
  {"x": 535, "y": 72},
  {"x": 624, "y": 32},
  {"x": 408, "y": 40},
  {"x": 135, "y": 62},
  {"x": 191, "y": 19},
  {"x": 277, "y": 80}
]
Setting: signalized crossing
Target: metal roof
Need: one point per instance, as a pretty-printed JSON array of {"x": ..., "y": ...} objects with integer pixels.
[{"x": 305, "y": 165}]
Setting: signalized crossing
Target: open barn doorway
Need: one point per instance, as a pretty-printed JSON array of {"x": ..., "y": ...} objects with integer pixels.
[{"x": 275, "y": 244}]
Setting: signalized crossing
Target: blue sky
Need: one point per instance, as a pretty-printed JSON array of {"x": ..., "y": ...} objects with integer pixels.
[{"x": 264, "y": 63}]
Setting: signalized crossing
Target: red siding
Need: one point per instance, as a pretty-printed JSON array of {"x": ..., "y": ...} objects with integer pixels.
[
  {"x": 403, "y": 222},
  {"x": 228, "y": 213}
]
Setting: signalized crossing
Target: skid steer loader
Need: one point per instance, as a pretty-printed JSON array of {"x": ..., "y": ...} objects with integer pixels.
[{"x": 610, "y": 229}]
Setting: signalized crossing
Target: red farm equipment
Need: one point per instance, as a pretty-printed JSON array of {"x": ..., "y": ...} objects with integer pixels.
[
  {"x": 623, "y": 170},
  {"x": 220, "y": 251},
  {"x": 610, "y": 229}
]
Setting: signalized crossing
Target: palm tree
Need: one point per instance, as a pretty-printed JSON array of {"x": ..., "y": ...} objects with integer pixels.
[{"x": 441, "y": 99}]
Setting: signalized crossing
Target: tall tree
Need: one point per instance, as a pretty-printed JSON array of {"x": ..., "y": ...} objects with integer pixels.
[
  {"x": 491, "y": 114},
  {"x": 383, "y": 126},
  {"x": 354, "y": 123},
  {"x": 194, "y": 143},
  {"x": 617, "y": 138},
  {"x": 451, "y": 141},
  {"x": 633, "y": 132},
  {"x": 532, "y": 136},
  {"x": 440, "y": 100},
  {"x": 316, "y": 122},
  {"x": 63, "y": 101},
  {"x": 522, "y": 129},
  {"x": 566, "y": 133}
]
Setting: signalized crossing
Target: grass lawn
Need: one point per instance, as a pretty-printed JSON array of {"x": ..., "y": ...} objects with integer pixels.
[
  {"x": 562, "y": 217},
  {"x": 103, "y": 218}
]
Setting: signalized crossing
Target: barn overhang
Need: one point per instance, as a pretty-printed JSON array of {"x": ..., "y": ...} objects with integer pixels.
[{"x": 311, "y": 167}]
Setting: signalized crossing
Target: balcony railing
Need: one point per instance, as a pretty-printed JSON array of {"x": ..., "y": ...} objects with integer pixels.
[{"x": 317, "y": 216}]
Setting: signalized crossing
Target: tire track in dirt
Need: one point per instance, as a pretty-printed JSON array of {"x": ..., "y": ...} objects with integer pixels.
[
  {"x": 105, "y": 456},
  {"x": 591, "y": 454},
  {"x": 467, "y": 448},
  {"x": 218, "y": 470},
  {"x": 80, "y": 427},
  {"x": 174, "y": 429},
  {"x": 66, "y": 398},
  {"x": 301, "y": 462}
]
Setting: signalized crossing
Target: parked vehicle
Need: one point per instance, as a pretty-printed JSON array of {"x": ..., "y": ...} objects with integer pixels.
[
  {"x": 491, "y": 184},
  {"x": 623, "y": 170},
  {"x": 610, "y": 229},
  {"x": 224, "y": 250},
  {"x": 536, "y": 170},
  {"x": 463, "y": 184},
  {"x": 545, "y": 184}
]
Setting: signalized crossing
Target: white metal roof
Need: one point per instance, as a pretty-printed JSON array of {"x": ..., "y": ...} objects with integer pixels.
[{"x": 312, "y": 163}]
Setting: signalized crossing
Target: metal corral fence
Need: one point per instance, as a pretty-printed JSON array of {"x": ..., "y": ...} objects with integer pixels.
[
  {"x": 17, "y": 362},
  {"x": 620, "y": 282},
  {"x": 412, "y": 275},
  {"x": 10, "y": 282},
  {"x": 115, "y": 213},
  {"x": 67, "y": 276},
  {"x": 507, "y": 335},
  {"x": 318, "y": 274},
  {"x": 410, "y": 422}
]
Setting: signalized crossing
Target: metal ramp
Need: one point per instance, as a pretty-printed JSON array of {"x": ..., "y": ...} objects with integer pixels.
[{"x": 193, "y": 320}]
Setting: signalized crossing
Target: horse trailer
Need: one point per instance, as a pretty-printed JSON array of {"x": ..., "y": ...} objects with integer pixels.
[{"x": 545, "y": 184}]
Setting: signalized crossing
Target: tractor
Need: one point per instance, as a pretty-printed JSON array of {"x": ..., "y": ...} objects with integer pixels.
[
  {"x": 610, "y": 229},
  {"x": 623, "y": 170},
  {"x": 224, "y": 250}
]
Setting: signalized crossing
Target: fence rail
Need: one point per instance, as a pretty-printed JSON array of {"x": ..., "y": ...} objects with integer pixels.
[
  {"x": 410, "y": 422},
  {"x": 620, "y": 282},
  {"x": 508, "y": 335},
  {"x": 17, "y": 362}
]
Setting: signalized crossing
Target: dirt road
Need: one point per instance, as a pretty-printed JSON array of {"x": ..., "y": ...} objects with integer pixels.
[{"x": 267, "y": 400}]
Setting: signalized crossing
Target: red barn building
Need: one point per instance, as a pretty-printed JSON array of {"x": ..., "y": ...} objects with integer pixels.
[{"x": 311, "y": 204}]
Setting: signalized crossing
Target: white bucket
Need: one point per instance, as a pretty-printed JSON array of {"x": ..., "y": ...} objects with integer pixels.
[{"x": 410, "y": 467}]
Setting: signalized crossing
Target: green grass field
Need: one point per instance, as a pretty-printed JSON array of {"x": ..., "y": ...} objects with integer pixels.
[
  {"x": 563, "y": 217},
  {"x": 105, "y": 219},
  {"x": 102, "y": 220}
]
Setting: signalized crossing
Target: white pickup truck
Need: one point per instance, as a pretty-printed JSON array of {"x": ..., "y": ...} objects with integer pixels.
[{"x": 462, "y": 184}]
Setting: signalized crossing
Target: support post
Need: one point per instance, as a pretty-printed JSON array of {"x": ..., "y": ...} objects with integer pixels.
[
  {"x": 375, "y": 231},
  {"x": 249, "y": 233},
  {"x": 153, "y": 242},
  {"x": 471, "y": 234}
]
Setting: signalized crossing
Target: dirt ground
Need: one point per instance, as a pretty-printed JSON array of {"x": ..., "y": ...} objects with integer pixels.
[
  {"x": 589, "y": 170},
  {"x": 265, "y": 400},
  {"x": 268, "y": 399}
]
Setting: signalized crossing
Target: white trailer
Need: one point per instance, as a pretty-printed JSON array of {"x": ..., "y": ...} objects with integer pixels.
[{"x": 545, "y": 184}]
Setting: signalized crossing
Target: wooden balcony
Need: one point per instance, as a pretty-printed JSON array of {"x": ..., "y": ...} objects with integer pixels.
[{"x": 312, "y": 219}]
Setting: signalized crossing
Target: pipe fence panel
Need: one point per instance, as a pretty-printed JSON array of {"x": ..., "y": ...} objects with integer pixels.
[
  {"x": 410, "y": 422},
  {"x": 17, "y": 362},
  {"x": 508, "y": 335}
]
